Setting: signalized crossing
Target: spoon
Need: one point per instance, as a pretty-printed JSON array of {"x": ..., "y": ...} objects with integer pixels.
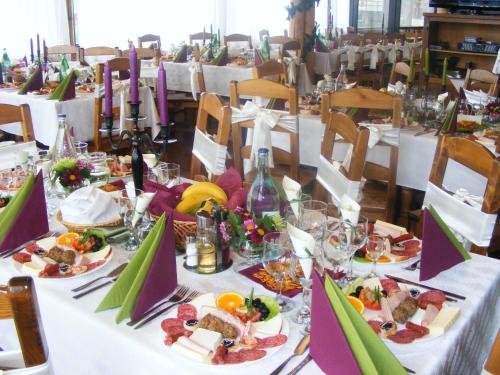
[{"x": 299, "y": 349}]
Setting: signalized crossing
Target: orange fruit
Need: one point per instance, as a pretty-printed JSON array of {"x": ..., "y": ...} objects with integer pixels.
[
  {"x": 357, "y": 303},
  {"x": 230, "y": 301},
  {"x": 66, "y": 239}
]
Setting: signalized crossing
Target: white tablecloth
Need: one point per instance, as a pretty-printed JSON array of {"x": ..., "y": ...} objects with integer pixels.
[
  {"x": 79, "y": 113},
  {"x": 83, "y": 342}
]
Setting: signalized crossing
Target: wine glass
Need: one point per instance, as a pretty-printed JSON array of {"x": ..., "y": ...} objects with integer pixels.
[
  {"x": 167, "y": 174},
  {"x": 356, "y": 239},
  {"x": 279, "y": 262},
  {"x": 127, "y": 211},
  {"x": 303, "y": 270},
  {"x": 335, "y": 248},
  {"x": 375, "y": 248},
  {"x": 44, "y": 164}
]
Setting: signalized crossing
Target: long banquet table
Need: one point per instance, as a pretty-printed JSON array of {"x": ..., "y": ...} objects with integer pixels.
[{"x": 84, "y": 342}]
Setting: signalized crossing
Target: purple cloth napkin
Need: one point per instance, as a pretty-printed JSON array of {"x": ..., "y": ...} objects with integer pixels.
[
  {"x": 250, "y": 273},
  {"x": 119, "y": 183},
  {"x": 230, "y": 181},
  {"x": 329, "y": 347},
  {"x": 438, "y": 252},
  {"x": 70, "y": 92},
  {"x": 166, "y": 199},
  {"x": 31, "y": 222},
  {"x": 161, "y": 280},
  {"x": 257, "y": 57}
]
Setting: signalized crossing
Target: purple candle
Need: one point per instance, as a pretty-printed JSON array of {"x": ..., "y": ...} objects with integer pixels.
[
  {"x": 31, "y": 50},
  {"x": 45, "y": 53},
  {"x": 162, "y": 95},
  {"x": 38, "y": 46},
  {"x": 134, "y": 75},
  {"x": 108, "y": 91}
]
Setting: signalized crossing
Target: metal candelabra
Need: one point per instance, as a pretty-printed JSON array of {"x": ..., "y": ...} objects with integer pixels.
[{"x": 136, "y": 140}]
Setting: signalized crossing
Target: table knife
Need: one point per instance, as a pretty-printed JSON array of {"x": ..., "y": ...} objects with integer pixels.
[
  {"x": 422, "y": 132},
  {"x": 10, "y": 252},
  {"x": 299, "y": 367},
  {"x": 77, "y": 296},
  {"x": 400, "y": 280}
]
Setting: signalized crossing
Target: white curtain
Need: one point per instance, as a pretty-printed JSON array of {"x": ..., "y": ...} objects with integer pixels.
[{"x": 23, "y": 19}]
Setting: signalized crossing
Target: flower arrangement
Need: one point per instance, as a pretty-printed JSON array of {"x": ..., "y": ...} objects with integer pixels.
[
  {"x": 245, "y": 226},
  {"x": 72, "y": 173},
  {"x": 493, "y": 111}
]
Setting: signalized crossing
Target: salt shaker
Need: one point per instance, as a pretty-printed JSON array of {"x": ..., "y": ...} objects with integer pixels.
[{"x": 191, "y": 253}]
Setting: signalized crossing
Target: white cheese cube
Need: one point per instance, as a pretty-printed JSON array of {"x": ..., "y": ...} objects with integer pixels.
[
  {"x": 191, "y": 345},
  {"x": 268, "y": 328},
  {"x": 443, "y": 320},
  {"x": 41, "y": 261},
  {"x": 189, "y": 353},
  {"x": 209, "y": 340}
]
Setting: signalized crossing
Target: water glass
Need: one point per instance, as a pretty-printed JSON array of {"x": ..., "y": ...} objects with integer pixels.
[
  {"x": 336, "y": 251},
  {"x": 304, "y": 267},
  {"x": 313, "y": 219},
  {"x": 356, "y": 236},
  {"x": 375, "y": 248},
  {"x": 100, "y": 173},
  {"x": 167, "y": 174},
  {"x": 82, "y": 149},
  {"x": 278, "y": 261},
  {"x": 129, "y": 214}
]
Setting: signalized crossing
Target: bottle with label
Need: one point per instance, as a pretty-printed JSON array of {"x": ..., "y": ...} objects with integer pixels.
[
  {"x": 341, "y": 81},
  {"x": 6, "y": 66},
  {"x": 205, "y": 242},
  {"x": 463, "y": 107},
  {"x": 263, "y": 196},
  {"x": 64, "y": 146}
]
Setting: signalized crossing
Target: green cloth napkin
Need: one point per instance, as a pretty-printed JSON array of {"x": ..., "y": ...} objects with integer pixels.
[
  {"x": 266, "y": 49},
  {"x": 181, "y": 56},
  {"x": 126, "y": 289},
  {"x": 372, "y": 355},
  {"x": 60, "y": 91},
  {"x": 451, "y": 236},
  {"x": 112, "y": 231},
  {"x": 9, "y": 214}
]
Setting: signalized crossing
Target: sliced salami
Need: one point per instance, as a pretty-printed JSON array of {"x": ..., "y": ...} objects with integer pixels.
[
  {"x": 22, "y": 257},
  {"x": 389, "y": 285},
  {"x": 405, "y": 336},
  {"x": 93, "y": 265},
  {"x": 411, "y": 244},
  {"x": 174, "y": 336},
  {"x": 271, "y": 341},
  {"x": 220, "y": 353},
  {"x": 434, "y": 297},
  {"x": 251, "y": 354},
  {"x": 232, "y": 358},
  {"x": 186, "y": 311},
  {"x": 375, "y": 324},
  {"x": 171, "y": 322},
  {"x": 424, "y": 331},
  {"x": 174, "y": 331}
]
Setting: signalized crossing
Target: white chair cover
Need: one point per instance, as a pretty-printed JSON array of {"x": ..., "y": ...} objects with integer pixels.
[
  {"x": 194, "y": 69},
  {"x": 330, "y": 177},
  {"x": 265, "y": 120},
  {"x": 291, "y": 65},
  {"x": 211, "y": 154},
  {"x": 496, "y": 67},
  {"x": 392, "y": 49},
  {"x": 351, "y": 56},
  {"x": 468, "y": 221}
]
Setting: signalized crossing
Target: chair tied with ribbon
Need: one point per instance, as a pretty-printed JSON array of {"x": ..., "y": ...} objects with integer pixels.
[
  {"x": 264, "y": 122},
  {"x": 374, "y": 50},
  {"x": 351, "y": 56},
  {"x": 291, "y": 65},
  {"x": 194, "y": 68},
  {"x": 211, "y": 154}
]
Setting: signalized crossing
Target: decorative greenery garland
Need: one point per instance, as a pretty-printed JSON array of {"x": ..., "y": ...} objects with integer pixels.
[{"x": 303, "y": 6}]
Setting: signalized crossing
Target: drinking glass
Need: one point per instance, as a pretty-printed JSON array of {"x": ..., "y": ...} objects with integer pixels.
[
  {"x": 82, "y": 149},
  {"x": 303, "y": 269},
  {"x": 44, "y": 164},
  {"x": 375, "y": 248},
  {"x": 279, "y": 262},
  {"x": 336, "y": 251},
  {"x": 313, "y": 219},
  {"x": 100, "y": 173},
  {"x": 129, "y": 214},
  {"x": 167, "y": 174}
]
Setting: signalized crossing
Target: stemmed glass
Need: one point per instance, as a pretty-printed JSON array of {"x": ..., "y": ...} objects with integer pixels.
[
  {"x": 312, "y": 219},
  {"x": 44, "y": 164},
  {"x": 375, "y": 248},
  {"x": 356, "y": 239},
  {"x": 167, "y": 174},
  {"x": 127, "y": 211},
  {"x": 303, "y": 270},
  {"x": 279, "y": 262},
  {"x": 335, "y": 247}
]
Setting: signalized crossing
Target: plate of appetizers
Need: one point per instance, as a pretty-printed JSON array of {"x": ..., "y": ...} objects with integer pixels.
[
  {"x": 400, "y": 246},
  {"x": 120, "y": 166},
  {"x": 227, "y": 329},
  {"x": 70, "y": 255},
  {"x": 400, "y": 314}
]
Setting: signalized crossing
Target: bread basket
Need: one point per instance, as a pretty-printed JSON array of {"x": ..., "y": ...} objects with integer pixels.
[{"x": 80, "y": 228}]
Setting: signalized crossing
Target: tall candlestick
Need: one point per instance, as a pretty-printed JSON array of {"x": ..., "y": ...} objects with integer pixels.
[
  {"x": 412, "y": 68},
  {"x": 134, "y": 75},
  {"x": 108, "y": 91},
  {"x": 32, "y": 54},
  {"x": 45, "y": 53},
  {"x": 162, "y": 96},
  {"x": 38, "y": 46},
  {"x": 203, "y": 36},
  {"x": 426, "y": 62},
  {"x": 443, "y": 75}
]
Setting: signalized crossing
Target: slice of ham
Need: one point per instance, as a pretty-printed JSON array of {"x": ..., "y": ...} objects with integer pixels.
[
  {"x": 430, "y": 314},
  {"x": 395, "y": 299},
  {"x": 386, "y": 310},
  {"x": 81, "y": 260}
]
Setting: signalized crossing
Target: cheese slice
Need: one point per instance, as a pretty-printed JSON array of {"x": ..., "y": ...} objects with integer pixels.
[
  {"x": 207, "y": 339},
  {"x": 384, "y": 228},
  {"x": 31, "y": 269},
  {"x": 207, "y": 299},
  {"x": 41, "y": 262},
  {"x": 444, "y": 320},
  {"x": 189, "y": 352},
  {"x": 268, "y": 328},
  {"x": 191, "y": 345}
]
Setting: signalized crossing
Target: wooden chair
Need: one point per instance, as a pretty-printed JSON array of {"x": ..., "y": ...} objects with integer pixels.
[
  {"x": 474, "y": 156},
  {"x": 238, "y": 38},
  {"x": 379, "y": 192},
  {"x": 142, "y": 53},
  {"x": 262, "y": 34},
  {"x": 492, "y": 364},
  {"x": 203, "y": 36},
  {"x": 12, "y": 113},
  {"x": 365, "y": 75},
  {"x": 399, "y": 69},
  {"x": 74, "y": 53},
  {"x": 268, "y": 89},
  {"x": 149, "y": 38},
  {"x": 18, "y": 302},
  {"x": 357, "y": 136},
  {"x": 120, "y": 65},
  {"x": 101, "y": 51},
  {"x": 352, "y": 39},
  {"x": 272, "y": 70},
  {"x": 211, "y": 106},
  {"x": 291, "y": 46},
  {"x": 480, "y": 78}
]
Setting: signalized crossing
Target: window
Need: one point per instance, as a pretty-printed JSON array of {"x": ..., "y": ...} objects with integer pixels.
[
  {"x": 412, "y": 12},
  {"x": 339, "y": 13},
  {"x": 371, "y": 15}
]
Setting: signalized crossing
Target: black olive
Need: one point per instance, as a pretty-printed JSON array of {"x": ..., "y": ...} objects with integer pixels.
[
  {"x": 414, "y": 292},
  {"x": 359, "y": 254},
  {"x": 227, "y": 343},
  {"x": 191, "y": 322},
  {"x": 359, "y": 289},
  {"x": 255, "y": 304},
  {"x": 262, "y": 318},
  {"x": 353, "y": 294}
]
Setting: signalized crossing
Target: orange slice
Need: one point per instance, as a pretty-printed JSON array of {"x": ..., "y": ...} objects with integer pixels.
[
  {"x": 357, "y": 303},
  {"x": 66, "y": 239},
  {"x": 230, "y": 301}
]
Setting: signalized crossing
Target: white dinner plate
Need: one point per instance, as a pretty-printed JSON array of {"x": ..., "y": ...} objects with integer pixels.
[{"x": 7, "y": 143}]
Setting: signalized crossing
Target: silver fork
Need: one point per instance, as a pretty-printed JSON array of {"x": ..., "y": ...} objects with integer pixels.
[
  {"x": 191, "y": 295},
  {"x": 178, "y": 295}
]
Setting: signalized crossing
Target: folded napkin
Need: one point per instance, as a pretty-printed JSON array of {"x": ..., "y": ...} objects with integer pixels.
[
  {"x": 258, "y": 274},
  {"x": 258, "y": 58},
  {"x": 336, "y": 324},
  {"x": 181, "y": 56},
  {"x": 222, "y": 58},
  {"x": 141, "y": 205},
  {"x": 476, "y": 97},
  {"x": 441, "y": 249},
  {"x": 292, "y": 192},
  {"x": 34, "y": 82},
  {"x": 150, "y": 276},
  {"x": 230, "y": 181},
  {"x": 90, "y": 205},
  {"x": 496, "y": 67},
  {"x": 349, "y": 209},
  {"x": 66, "y": 89},
  {"x": 303, "y": 246},
  {"x": 25, "y": 217},
  {"x": 320, "y": 45},
  {"x": 166, "y": 199}
]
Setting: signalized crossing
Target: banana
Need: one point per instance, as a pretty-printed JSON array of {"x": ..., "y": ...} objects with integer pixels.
[
  {"x": 193, "y": 203},
  {"x": 207, "y": 190}
]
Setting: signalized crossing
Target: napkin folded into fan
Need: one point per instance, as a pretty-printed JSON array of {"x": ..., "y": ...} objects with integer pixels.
[
  {"x": 150, "y": 276},
  {"x": 320, "y": 45},
  {"x": 222, "y": 57},
  {"x": 342, "y": 342},
  {"x": 441, "y": 249},
  {"x": 34, "y": 82},
  {"x": 25, "y": 217},
  {"x": 257, "y": 57},
  {"x": 181, "y": 56},
  {"x": 66, "y": 89}
]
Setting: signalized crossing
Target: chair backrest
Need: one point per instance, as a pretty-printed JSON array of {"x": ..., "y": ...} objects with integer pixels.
[
  {"x": 353, "y": 39},
  {"x": 101, "y": 51},
  {"x": 12, "y": 113},
  {"x": 399, "y": 69},
  {"x": 268, "y": 89},
  {"x": 375, "y": 38},
  {"x": 211, "y": 106},
  {"x": 357, "y": 136},
  {"x": 18, "y": 301},
  {"x": 155, "y": 39},
  {"x": 484, "y": 77},
  {"x": 74, "y": 53},
  {"x": 492, "y": 365},
  {"x": 200, "y": 36},
  {"x": 263, "y": 33},
  {"x": 142, "y": 53},
  {"x": 291, "y": 46},
  {"x": 279, "y": 39},
  {"x": 238, "y": 38},
  {"x": 120, "y": 65},
  {"x": 271, "y": 69}
]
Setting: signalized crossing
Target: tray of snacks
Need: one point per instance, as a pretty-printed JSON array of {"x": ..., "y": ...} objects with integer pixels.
[{"x": 120, "y": 166}]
